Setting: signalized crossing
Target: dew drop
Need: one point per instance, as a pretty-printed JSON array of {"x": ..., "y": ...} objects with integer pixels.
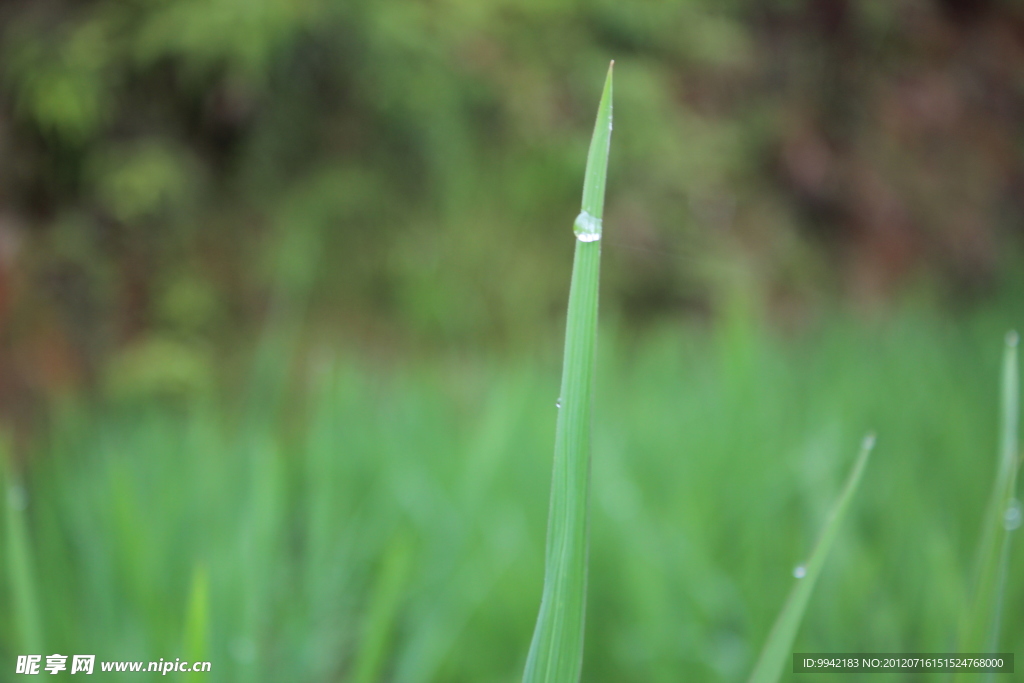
[
  {"x": 17, "y": 498},
  {"x": 587, "y": 227},
  {"x": 558, "y": 403},
  {"x": 1012, "y": 518},
  {"x": 1012, "y": 338},
  {"x": 800, "y": 571}
]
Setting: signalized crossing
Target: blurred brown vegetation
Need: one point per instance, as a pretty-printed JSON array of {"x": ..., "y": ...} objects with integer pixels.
[{"x": 172, "y": 172}]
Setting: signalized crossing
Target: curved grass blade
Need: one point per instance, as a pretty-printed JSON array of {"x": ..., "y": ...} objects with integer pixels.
[
  {"x": 778, "y": 650},
  {"x": 556, "y": 652},
  {"x": 980, "y": 631},
  {"x": 20, "y": 574},
  {"x": 384, "y": 608},
  {"x": 197, "y": 621}
]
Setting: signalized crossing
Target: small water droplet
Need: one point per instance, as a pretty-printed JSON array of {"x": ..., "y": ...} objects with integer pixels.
[
  {"x": 558, "y": 403},
  {"x": 1012, "y": 518},
  {"x": 1012, "y": 338},
  {"x": 869, "y": 441},
  {"x": 587, "y": 227},
  {"x": 17, "y": 498},
  {"x": 799, "y": 571}
]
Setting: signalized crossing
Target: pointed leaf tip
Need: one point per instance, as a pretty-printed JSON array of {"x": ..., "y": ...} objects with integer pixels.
[{"x": 597, "y": 158}]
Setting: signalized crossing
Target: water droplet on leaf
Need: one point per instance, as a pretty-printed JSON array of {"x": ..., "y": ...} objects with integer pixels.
[
  {"x": 869, "y": 441},
  {"x": 1011, "y": 520},
  {"x": 17, "y": 498},
  {"x": 587, "y": 227}
]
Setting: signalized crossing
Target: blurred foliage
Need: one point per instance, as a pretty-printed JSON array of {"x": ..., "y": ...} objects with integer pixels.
[
  {"x": 183, "y": 182},
  {"x": 407, "y": 170},
  {"x": 364, "y": 523}
]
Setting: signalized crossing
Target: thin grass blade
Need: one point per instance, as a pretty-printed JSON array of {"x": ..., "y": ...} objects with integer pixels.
[
  {"x": 197, "y": 621},
  {"x": 980, "y": 631},
  {"x": 385, "y": 603},
  {"x": 20, "y": 573},
  {"x": 556, "y": 652},
  {"x": 778, "y": 649}
]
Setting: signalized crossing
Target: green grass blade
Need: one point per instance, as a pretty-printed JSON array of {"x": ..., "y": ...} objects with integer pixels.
[
  {"x": 980, "y": 631},
  {"x": 197, "y": 621},
  {"x": 556, "y": 653},
  {"x": 384, "y": 606},
  {"x": 778, "y": 650},
  {"x": 20, "y": 573}
]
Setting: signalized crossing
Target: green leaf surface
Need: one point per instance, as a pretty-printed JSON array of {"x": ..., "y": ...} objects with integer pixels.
[
  {"x": 980, "y": 629},
  {"x": 778, "y": 649},
  {"x": 556, "y": 653},
  {"x": 21, "y": 579}
]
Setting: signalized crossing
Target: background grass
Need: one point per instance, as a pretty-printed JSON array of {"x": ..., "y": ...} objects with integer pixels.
[
  {"x": 282, "y": 292},
  {"x": 162, "y": 160},
  {"x": 386, "y": 523}
]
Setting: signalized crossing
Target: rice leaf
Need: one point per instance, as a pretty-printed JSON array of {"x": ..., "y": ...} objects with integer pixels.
[
  {"x": 384, "y": 605},
  {"x": 556, "y": 653},
  {"x": 20, "y": 574},
  {"x": 197, "y": 621},
  {"x": 778, "y": 649},
  {"x": 980, "y": 630}
]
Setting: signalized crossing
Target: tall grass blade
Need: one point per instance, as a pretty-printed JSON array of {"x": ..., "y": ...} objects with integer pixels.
[
  {"x": 556, "y": 653},
  {"x": 20, "y": 574},
  {"x": 384, "y": 606},
  {"x": 980, "y": 631},
  {"x": 197, "y": 621},
  {"x": 778, "y": 649}
]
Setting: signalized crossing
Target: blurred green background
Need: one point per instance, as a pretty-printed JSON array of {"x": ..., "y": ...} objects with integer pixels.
[{"x": 282, "y": 290}]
